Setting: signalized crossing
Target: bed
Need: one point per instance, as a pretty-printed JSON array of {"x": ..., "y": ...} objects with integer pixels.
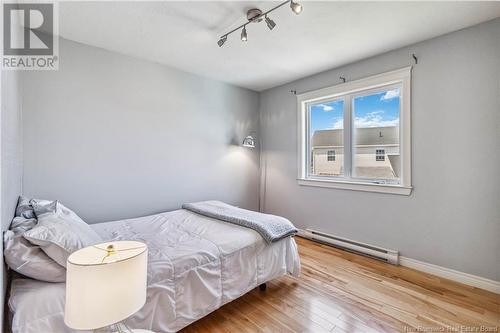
[{"x": 196, "y": 265}]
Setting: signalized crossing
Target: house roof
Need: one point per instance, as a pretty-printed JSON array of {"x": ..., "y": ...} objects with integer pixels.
[{"x": 362, "y": 136}]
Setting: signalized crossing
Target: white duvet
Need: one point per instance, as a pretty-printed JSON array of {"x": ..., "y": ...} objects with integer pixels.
[{"x": 196, "y": 264}]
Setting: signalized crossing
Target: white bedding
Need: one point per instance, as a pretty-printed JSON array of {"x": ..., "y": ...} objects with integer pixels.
[{"x": 196, "y": 264}]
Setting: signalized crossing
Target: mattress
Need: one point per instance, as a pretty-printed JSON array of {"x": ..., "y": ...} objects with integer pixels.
[{"x": 196, "y": 264}]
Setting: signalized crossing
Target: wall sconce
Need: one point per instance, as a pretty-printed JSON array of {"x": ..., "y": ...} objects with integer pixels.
[{"x": 249, "y": 142}]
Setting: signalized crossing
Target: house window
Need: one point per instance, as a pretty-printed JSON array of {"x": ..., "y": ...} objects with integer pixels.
[
  {"x": 331, "y": 156},
  {"x": 348, "y": 122},
  {"x": 380, "y": 155}
]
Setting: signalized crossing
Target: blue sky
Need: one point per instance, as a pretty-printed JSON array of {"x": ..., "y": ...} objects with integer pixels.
[{"x": 377, "y": 110}]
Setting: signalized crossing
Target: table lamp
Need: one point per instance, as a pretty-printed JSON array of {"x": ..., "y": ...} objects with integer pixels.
[{"x": 105, "y": 284}]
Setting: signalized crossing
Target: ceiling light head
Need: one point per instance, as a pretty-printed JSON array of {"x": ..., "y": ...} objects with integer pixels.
[
  {"x": 222, "y": 40},
  {"x": 244, "y": 36},
  {"x": 270, "y": 23},
  {"x": 296, "y": 7}
]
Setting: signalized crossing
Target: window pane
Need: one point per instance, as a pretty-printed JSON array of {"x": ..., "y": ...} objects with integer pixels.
[
  {"x": 326, "y": 129},
  {"x": 376, "y": 153}
]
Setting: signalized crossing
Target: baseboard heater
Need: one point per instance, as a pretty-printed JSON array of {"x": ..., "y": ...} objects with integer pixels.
[{"x": 387, "y": 255}]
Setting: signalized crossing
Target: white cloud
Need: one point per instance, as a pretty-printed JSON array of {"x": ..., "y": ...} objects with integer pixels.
[
  {"x": 326, "y": 107},
  {"x": 390, "y": 94},
  {"x": 338, "y": 124},
  {"x": 374, "y": 119}
]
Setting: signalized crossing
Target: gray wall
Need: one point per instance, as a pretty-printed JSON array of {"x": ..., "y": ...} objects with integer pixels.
[
  {"x": 114, "y": 137},
  {"x": 452, "y": 218},
  {"x": 11, "y": 167}
]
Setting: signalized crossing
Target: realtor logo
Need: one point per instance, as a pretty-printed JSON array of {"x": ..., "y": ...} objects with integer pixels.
[{"x": 30, "y": 39}]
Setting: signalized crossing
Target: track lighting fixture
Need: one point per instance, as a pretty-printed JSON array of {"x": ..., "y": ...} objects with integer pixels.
[
  {"x": 222, "y": 40},
  {"x": 244, "y": 36},
  {"x": 296, "y": 7},
  {"x": 270, "y": 23},
  {"x": 255, "y": 15}
]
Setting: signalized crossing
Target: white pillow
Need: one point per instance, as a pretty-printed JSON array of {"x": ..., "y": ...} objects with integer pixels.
[
  {"x": 59, "y": 231},
  {"x": 28, "y": 260}
]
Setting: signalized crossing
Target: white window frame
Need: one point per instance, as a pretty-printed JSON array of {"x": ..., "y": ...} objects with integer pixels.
[{"x": 400, "y": 77}]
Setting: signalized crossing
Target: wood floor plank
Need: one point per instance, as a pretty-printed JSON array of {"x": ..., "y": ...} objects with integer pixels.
[{"x": 343, "y": 292}]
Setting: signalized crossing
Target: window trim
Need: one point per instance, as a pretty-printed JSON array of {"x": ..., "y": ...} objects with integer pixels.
[{"x": 400, "y": 76}]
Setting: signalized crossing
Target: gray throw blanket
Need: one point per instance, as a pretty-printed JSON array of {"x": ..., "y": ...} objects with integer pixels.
[{"x": 271, "y": 227}]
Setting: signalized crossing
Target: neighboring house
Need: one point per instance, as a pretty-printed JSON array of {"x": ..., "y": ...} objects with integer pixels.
[{"x": 376, "y": 149}]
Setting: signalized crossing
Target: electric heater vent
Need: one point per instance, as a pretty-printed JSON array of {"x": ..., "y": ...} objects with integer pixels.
[{"x": 387, "y": 255}]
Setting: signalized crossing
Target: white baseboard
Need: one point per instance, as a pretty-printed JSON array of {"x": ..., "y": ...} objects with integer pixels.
[
  {"x": 443, "y": 272},
  {"x": 451, "y": 274}
]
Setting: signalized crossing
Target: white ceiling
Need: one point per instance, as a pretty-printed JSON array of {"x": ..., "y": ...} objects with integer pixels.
[{"x": 326, "y": 35}]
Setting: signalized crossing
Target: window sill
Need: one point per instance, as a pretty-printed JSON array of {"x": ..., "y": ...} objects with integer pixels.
[{"x": 365, "y": 187}]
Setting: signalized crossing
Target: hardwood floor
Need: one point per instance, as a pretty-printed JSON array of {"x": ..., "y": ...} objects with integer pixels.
[{"x": 343, "y": 292}]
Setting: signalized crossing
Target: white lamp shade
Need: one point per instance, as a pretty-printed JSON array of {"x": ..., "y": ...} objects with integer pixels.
[{"x": 101, "y": 292}]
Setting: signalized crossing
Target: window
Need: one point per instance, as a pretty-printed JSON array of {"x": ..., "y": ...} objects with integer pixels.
[
  {"x": 380, "y": 155},
  {"x": 331, "y": 156},
  {"x": 323, "y": 153},
  {"x": 356, "y": 135}
]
